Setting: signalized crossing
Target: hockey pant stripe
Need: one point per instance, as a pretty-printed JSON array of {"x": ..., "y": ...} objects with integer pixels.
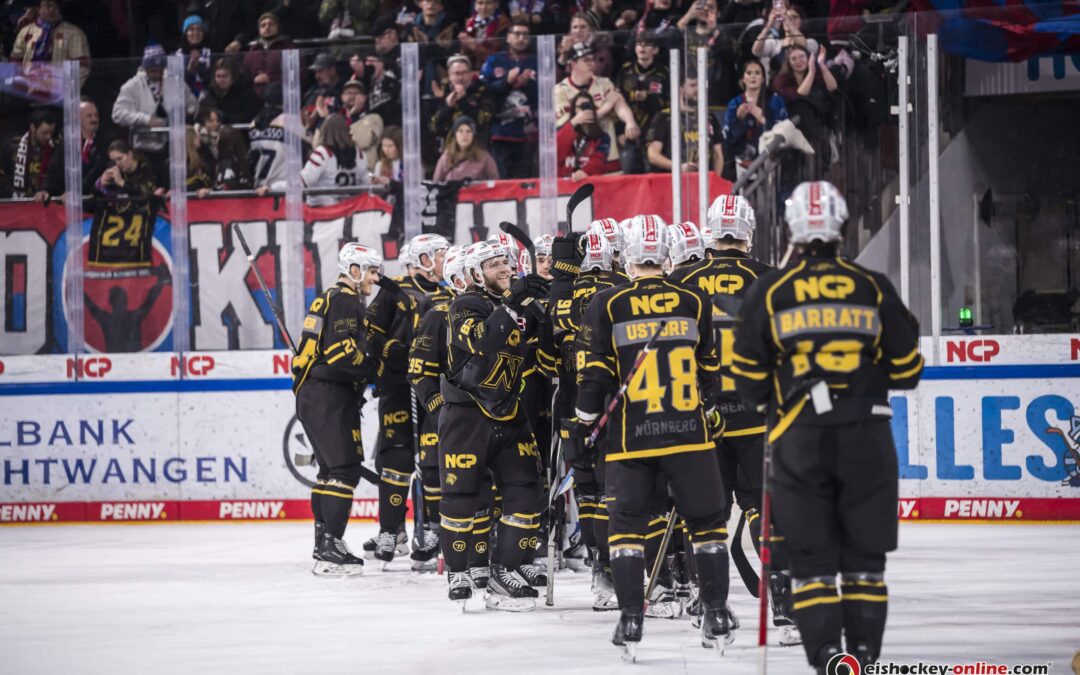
[
  {"x": 457, "y": 524},
  {"x": 395, "y": 477},
  {"x": 810, "y": 595},
  {"x": 331, "y": 493}
]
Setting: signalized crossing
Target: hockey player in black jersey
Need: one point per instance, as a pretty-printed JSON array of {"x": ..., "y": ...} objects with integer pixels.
[
  {"x": 660, "y": 427},
  {"x": 483, "y": 424},
  {"x": 330, "y": 370},
  {"x": 820, "y": 343},
  {"x": 392, "y": 320}
]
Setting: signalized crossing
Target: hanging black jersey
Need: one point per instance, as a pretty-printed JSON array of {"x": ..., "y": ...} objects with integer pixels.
[
  {"x": 332, "y": 342},
  {"x": 824, "y": 320},
  {"x": 662, "y": 412},
  {"x": 726, "y": 280},
  {"x": 122, "y": 233}
]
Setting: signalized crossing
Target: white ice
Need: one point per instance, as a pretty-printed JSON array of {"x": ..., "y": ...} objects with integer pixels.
[{"x": 240, "y": 598}]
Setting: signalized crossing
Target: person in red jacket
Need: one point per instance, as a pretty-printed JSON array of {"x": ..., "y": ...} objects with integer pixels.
[{"x": 582, "y": 145}]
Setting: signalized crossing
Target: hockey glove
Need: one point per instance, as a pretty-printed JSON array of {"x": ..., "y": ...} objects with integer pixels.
[
  {"x": 573, "y": 433},
  {"x": 525, "y": 291},
  {"x": 566, "y": 256},
  {"x": 716, "y": 423}
]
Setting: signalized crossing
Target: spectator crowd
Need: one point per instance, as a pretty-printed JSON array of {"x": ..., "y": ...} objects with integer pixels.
[{"x": 478, "y": 89}]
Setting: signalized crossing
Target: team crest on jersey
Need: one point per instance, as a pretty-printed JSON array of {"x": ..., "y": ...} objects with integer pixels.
[{"x": 1071, "y": 459}]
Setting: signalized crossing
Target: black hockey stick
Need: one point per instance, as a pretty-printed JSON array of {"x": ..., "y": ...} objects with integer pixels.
[
  {"x": 580, "y": 195},
  {"x": 660, "y": 555},
  {"x": 738, "y": 555},
  {"x": 262, "y": 284},
  {"x": 522, "y": 238}
]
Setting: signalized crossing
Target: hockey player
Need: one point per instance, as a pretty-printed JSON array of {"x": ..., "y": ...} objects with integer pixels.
[
  {"x": 660, "y": 427},
  {"x": 819, "y": 344},
  {"x": 687, "y": 247},
  {"x": 483, "y": 424},
  {"x": 543, "y": 255},
  {"x": 330, "y": 370},
  {"x": 726, "y": 278},
  {"x": 392, "y": 321}
]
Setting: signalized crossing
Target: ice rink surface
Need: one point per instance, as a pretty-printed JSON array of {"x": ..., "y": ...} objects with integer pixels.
[{"x": 240, "y": 598}]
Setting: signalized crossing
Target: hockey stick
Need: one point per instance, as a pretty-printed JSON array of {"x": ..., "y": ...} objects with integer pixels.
[
  {"x": 554, "y": 469},
  {"x": 262, "y": 284},
  {"x": 660, "y": 555},
  {"x": 766, "y": 557},
  {"x": 738, "y": 555},
  {"x": 580, "y": 195},
  {"x": 519, "y": 235}
]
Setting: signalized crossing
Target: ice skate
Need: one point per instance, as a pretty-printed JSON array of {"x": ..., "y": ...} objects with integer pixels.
[
  {"x": 509, "y": 592},
  {"x": 480, "y": 575},
  {"x": 370, "y": 545},
  {"x": 319, "y": 529},
  {"x": 574, "y": 555},
  {"x": 790, "y": 636},
  {"x": 680, "y": 573},
  {"x": 461, "y": 587},
  {"x": 628, "y": 634},
  {"x": 534, "y": 574},
  {"x": 425, "y": 555},
  {"x": 603, "y": 589},
  {"x": 780, "y": 600},
  {"x": 333, "y": 559},
  {"x": 661, "y": 603},
  {"x": 716, "y": 629}
]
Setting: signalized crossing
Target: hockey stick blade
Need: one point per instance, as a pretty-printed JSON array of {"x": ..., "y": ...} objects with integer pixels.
[
  {"x": 522, "y": 238},
  {"x": 389, "y": 285},
  {"x": 580, "y": 195},
  {"x": 738, "y": 555}
]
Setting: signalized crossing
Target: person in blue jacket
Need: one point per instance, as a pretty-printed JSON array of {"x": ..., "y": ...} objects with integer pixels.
[
  {"x": 749, "y": 115},
  {"x": 510, "y": 76}
]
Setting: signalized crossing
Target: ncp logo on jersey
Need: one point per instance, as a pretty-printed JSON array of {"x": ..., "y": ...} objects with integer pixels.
[{"x": 843, "y": 664}]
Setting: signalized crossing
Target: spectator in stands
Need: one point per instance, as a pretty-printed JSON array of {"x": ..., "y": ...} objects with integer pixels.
[
  {"x": 327, "y": 80},
  {"x": 388, "y": 166},
  {"x": 463, "y": 158},
  {"x": 582, "y": 146},
  {"x": 601, "y": 15},
  {"x": 198, "y": 169},
  {"x": 807, "y": 85},
  {"x": 702, "y": 29},
  {"x": 479, "y": 37},
  {"x": 387, "y": 40},
  {"x": 301, "y": 16},
  {"x": 335, "y": 163},
  {"x": 266, "y": 139},
  {"x": 661, "y": 18},
  {"x": 643, "y": 82},
  {"x": 262, "y": 62},
  {"x": 140, "y": 105},
  {"x": 782, "y": 29},
  {"x": 50, "y": 39},
  {"x": 27, "y": 157},
  {"x": 346, "y": 19},
  {"x": 384, "y": 88},
  {"x": 95, "y": 154},
  {"x": 364, "y": 127},
  {"x": 434, "y": 31},
  {"x": 231, "y": 171},
  {"x": 235, "y": 99},
  {"x": 198, "y": 56},
  {"x": 511, "y": 77},
  {"x": 464, "y": 95},
  {"x": 749, "y": 115},
  {"x": 610, "y": 105},
  {"x": 658, "y": 139},
  {"x": 532, "y": 11},
  {"x": 583, "y": 32},
  {"x": 230, "y": 22},
  {"x": 130, "y": 174}
]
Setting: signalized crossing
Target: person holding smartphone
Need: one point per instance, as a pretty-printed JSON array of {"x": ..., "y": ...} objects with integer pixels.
[{"x": 782, "y": 29}]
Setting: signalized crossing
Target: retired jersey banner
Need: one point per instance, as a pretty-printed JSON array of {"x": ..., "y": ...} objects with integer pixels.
[{"x": 128, "y": 259}]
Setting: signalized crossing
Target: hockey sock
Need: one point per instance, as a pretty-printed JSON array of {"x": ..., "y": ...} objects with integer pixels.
[
  {"x": 454, "y": 537},
  {"x": 517, "y": 532},
  {"x": 432, "y": 494},
  {"x": 753, "y": 519},
  {"x": 479, "y": 539},
  {"x": 653, "y": 535},
  {"x": 627, "y": 571},
  {"x": 865, "y": 602},
  {"x": 711, "y": 557},
  {"x": 600, "y": 532},
  {"x": 393, "y": 489},
  {"x": 316, "y": 502},
  {"x": 335, "y": 504},
  {"x": 816, "y": 609},
  {"x": 587, "y": 506}
]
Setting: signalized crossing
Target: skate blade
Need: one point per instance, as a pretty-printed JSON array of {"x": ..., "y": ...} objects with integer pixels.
[
  {"x": 714, "y": 643},
  {"x": 335, "y": 571},
  {"x": 425, "y": 565},
  {"x": 503, "y": 603},
  {"x": 790, "y": 636},
  {"x": 629, "y": 652}
]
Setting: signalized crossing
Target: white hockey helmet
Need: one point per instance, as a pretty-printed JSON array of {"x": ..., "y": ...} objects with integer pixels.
[
  {"x": 362, "y": 256},
  {"x": 476, "y": 255},
  {"x": 731, "y": 216},
  {"x": 815, "y": 211},
  {"x": 429, "y": 245},
  {"x": 454, "y": 269},
  {"x": 611, "y": 230},
  {"x": 597, "y": 254},
  {"x": 543, "y": 244},
  {"x": 647, "y": 241},
  {"x": 685, "y": 242},
  {"x": 405, "y": 257},
  {"x": 510, "y": 246}
]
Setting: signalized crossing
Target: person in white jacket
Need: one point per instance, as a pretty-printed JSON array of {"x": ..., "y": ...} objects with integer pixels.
[
  {"x": 140, "y": 106},
  {"x": 335, "y": 163}
]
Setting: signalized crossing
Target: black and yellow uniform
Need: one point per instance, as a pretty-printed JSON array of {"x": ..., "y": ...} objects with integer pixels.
[
  {"x": 660, "y": 426},
  {"x": 330, "y": 371},
  {"x": 726, "y": 279},
  {"x": 392, "y": 321},
  {"x": 483, "y": 425},
  {"x": 427, "y": 362},
  {"x": 820, "y": 343}
]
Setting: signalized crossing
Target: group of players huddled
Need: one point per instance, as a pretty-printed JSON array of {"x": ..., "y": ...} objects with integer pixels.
[{"x": 491, "y": 378}]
